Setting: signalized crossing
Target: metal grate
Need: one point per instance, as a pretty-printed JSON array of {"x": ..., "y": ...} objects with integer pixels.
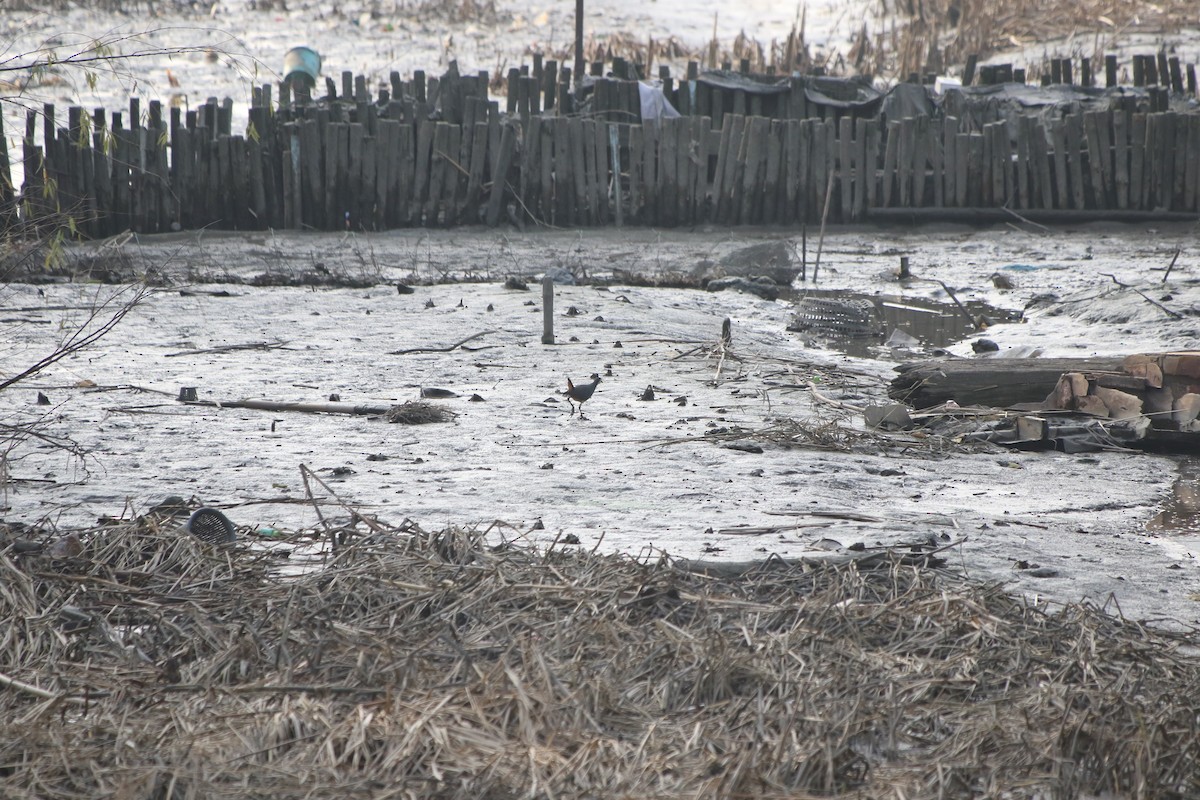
[
  {"x": 211, "y": 526},
  {"x": 842, "y": 317}
]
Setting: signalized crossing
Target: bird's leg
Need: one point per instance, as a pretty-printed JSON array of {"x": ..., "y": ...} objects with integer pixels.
[{"x": 572, "y": 405}]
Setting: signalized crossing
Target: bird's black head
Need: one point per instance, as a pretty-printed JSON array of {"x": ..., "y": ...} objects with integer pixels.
[{"x": 595, "y": 377}]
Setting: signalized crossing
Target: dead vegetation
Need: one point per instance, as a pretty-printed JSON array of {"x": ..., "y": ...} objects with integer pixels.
[
  {"x": 929, "y": 33},
  {"x": 413, "y": 664}
]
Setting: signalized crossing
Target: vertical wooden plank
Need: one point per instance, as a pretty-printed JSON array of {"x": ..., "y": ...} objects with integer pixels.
[
  {"x": 1165, "y": 154},
  {"x": 545, "y": 168},
  {"x": 600, "y": 176},
  {"x": 718, "y": 187},
  {"x": 337, "y": 162},
  {"x": 706, "y": 143},
  {"x": 1192, "y": 163},
  {"x": 791, "y": 161},
  {"x": 754, "y": 167},
  {"x": 1120, "y": 131},
  {"x": 1075, "y": 153},
  {"x": 578, "y": 170},
  {"x": 1024, "y": 190},
  {"x": 845, "y": 146},
  {"x": 406, "y": 163},
  {"x": 863, "y": 168},
  {"x": 102, "y": 169},
  {"x": 354, "y": 204},
  {"x": 772, "y": 207},
  {"x": 920, "y": 160},
  {"x": 437, "y": 174},
  {"x": 733, "y": 167},
  {"x": 818, "y": 167},
  {"x": 804, "y": 168},
  {"x": 462, "y": 169},
  {"x": 684, "y": 173},
  {"x": 531, "y": 171},
  {"x": 590, "y": 172},
  {"x": 1178, "y": 159},
  {"x": 472, "y": 203},
  {"x": 508, "y": 141},
  {"x": 635, "y": 167},
  {"x": 1005, "y": 149},
  {"x": 387, "y": 140},
  {"x": 372, "y": 178},
  {"x": 999, "y": 168},
  {"x": 564, "y": 183},
  {"x": 424, "y": 154},
  {"x": 1095, "y": 160},
  {"x": 950, "y": 160},
  {"x": 890, "y": 157},
  {"x": 123, "y": 154},
  {"x": 871, "y": 165},
  {"x": 962, "y": 144},
  {"x": 1041, "y": 158},
  {"x": 1058, "y": 133},
  {"x": 1137, "y": 161},
  {"x": 329, "y": 176},
  {"x": 974, "y": 169},
  {"x": 937, "y": 171},
  {"x": 240, "y": 174},
  {"x": 904, "y": 160},
  {"x": 614, "y": 151},
  {"x": 257, "y": 185},
  {"x": 451, "y": 173},
  {"x": 1104, "y": 141}
]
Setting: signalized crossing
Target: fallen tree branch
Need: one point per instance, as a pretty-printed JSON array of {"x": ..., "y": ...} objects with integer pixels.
[{"x": 446, "y": 349}]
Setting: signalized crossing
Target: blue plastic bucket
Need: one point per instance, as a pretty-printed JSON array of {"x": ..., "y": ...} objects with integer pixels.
[{"x": 302, "y": 65}]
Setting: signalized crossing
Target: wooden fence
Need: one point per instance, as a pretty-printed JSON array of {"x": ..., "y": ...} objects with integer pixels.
[{"x": 362, "y": 163}]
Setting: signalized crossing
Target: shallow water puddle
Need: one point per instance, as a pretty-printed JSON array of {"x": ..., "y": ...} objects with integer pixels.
[
  {"x": 858, "y": 324},
  {"x": 1181, "y": 511}
]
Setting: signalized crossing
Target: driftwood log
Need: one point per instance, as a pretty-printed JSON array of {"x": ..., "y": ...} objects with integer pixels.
[{"x": 996, "y": 382}]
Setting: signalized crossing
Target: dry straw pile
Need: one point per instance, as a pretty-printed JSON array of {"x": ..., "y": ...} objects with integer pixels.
[{"x": 150, "y": 665}]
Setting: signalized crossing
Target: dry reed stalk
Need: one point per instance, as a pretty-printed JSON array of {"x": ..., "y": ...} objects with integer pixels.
[{"x": 451, "y": 664}]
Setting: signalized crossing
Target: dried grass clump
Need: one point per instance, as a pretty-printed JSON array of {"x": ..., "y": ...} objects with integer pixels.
[
  {"x": 419, "y": 412},
  {"x": 419, "y": 664},
  {"x": 947, "y": 31}
]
